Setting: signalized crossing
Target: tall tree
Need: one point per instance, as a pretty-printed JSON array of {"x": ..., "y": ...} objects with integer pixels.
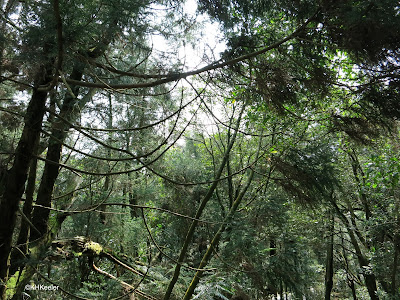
[{"x": 318, "y": 83}]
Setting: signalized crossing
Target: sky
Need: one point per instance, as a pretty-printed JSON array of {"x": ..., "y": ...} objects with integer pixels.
[
  {"x": 206, "y": 40},
  {"x": 205, "y": 47}
]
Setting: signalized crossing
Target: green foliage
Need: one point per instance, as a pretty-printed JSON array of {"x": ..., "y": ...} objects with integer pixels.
[
  {"x": 321, "y": 112},
  {"x": 308, "y": 172},
  {"x": 216, "y": 288}
]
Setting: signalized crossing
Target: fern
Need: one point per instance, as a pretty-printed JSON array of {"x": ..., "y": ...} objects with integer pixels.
[{"x": 213, "y": 290}]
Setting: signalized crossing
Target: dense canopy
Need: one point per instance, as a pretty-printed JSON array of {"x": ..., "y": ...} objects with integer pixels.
[{"x": 199, "y": 150}]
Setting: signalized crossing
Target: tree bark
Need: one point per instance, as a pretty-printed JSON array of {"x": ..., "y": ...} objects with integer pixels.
[
  {"x": 369, "y": 277},
  {"x": 23, "y": 236},
  {"x": 103, "y": 207},
  {"x": 355, "y": 164},
  {"x": 17, "y": 175},
  {"x": 59, "y": 132},
  {"x": 396, "y": 244},
  {"x": 353, "y": 289},
  {"x": 329, "y": 260}
]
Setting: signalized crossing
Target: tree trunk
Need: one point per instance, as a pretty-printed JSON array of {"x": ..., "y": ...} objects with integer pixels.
[
  {"x": 369, "y": 277},
  {"x": 329, "y": 260},
  {"x": 23, "y": 236},
  {"x": 59, "y": 132},
  {"x": 217, "y": 236},
  {"x": 132, "y": 197},
  {"x": 272, "y": 245},
  {"x": 370, "y": 282},
  {"x": 355, "y": 164},
  {"x": 396, "y": 242},
  {"x": 396, "y": 245},
  {"x": 199, "y": 212},
  {"x": 17, "y": 175},
  {"x": 103, "y": 207},
  {"x": 353, "y": 289},
  {"x": 216, "y": 239}
]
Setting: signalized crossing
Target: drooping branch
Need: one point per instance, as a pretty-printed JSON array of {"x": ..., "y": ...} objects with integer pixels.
[
  {"x": 144, "y": 165},
  {"x": 140, "y": 127},
  {"x": 131, "y": 155},
  {"x": 95, "y": 207},
  {"x": 213, "y": 66}
]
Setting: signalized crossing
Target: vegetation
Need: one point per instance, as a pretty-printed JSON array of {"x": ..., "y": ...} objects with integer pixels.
[{"x": 268, "y": 170}]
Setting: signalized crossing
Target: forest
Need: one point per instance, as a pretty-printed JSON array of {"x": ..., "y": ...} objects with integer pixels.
[{"x": 200, "y": 149}]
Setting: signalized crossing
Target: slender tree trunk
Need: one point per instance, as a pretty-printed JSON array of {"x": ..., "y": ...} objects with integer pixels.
[
  {"x": 370, "y": 282},
  {"x": 396, "y": 245},
  {"x": 199, "y": 212},
  {"x": 216, "y": 239},
  {"x": 329, "y": 260},
  {"x": 369, "y": 277},
  {"x": 355, "y": 164},
  {"x": 353, "y": 289},
  {"x": 132, "y": 197},
  {"x": 140, "y": 139},
  {"x": 59, "y": 132},
  {"x": 22, "y": 241},
  {"x": 103, "y": 207},
  {"x": 230, "y": 181},
  {"x": 272, "y": 245},
  {"x": 17, "y": 175},
  {"x": 217, "y": 236},
  {"x": 349, "y": 275},
  {"x": 286, "y": 293}
]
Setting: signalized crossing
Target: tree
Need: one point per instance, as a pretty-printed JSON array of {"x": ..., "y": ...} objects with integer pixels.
[
  {"x": 304, "y": 106},
  {"x": 67, "y": 43}
]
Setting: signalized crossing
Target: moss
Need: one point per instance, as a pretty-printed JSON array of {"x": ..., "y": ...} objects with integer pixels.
[
  {"x": 93, "y": 247},
  {"x": 11, "y": 285},
  {"x": 77, "y": 254},
  {"x": 14, "y": 282}
]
